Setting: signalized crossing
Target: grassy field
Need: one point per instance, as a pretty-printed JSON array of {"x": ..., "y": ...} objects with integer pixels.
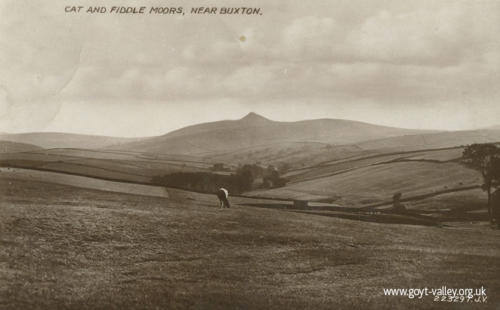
[
  {"x": 82, "y": 182},
  {"x": 295, "y": 155},
  {"x": 13, "y": 147},
  {"x": 376, "y": 183},
  {"x": 334, "y": 166},
  {"x": 115, "y": 165},
  {"x": 64, "y": 247}
]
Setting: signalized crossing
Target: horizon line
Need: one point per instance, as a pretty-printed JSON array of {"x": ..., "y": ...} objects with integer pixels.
[{"x": 249, "y": 114}]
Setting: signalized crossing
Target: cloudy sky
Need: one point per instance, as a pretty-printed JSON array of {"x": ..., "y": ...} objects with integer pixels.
[{"x": 415, "y": 64}]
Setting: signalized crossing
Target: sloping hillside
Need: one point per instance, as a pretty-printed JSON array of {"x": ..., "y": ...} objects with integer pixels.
[
  {"x": 291, "y": 155},
  {"x": 64, "y": 140},
  {"x": 433, "y": 140},
  {"x": 130, "y": 167},
  {"x": 377, "y": 183},
  {"x": 71, "y": 248},
  {"x": 306, "y": 154},
  {"x": 329, "y": 168},
  {"x": 15, "y": 147},
  {"x": 254, "y": 130}
]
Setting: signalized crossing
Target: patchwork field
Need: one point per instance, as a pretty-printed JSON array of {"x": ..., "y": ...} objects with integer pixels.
[
  {"x": 113, "y": 165},
  {"x": 334, "y": 166},
  {"x": 377, "y": 183}
]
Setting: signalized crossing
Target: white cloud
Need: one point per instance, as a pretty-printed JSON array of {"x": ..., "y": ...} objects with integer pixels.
[
  {"x": 309, "y": 37},
  {"x": 4, "y": 103},
  {"x": 389, "y": 54},
  {"x": 421, "y": 37}
]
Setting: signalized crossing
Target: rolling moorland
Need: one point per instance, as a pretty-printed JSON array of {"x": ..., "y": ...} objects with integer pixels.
[{"x": 85, "y": 226}]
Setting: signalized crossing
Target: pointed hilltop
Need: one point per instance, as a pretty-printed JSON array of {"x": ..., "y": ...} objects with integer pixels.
[{"x": 253, "y": 117}]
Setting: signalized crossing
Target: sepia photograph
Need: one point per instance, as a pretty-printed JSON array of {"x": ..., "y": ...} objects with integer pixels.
[{"x": 249, "y": 154}]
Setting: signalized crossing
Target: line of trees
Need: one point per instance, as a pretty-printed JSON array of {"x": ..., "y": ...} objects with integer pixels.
[
  {"x": 246, "y": 178},
  {"x": 485, "y": 158}
]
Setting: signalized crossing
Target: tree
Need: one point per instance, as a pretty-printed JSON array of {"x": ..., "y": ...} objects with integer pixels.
[
  {"x": 495, "y": 171},
  {"x": 484, "y": 157},
  {"x": 283, "y": 167},
  {"x": 271, "y": 177}
]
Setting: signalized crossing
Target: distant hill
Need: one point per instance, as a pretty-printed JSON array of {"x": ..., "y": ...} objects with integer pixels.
[
  {"x": 15, "y": 147},
  {"x": 256, "y": 138},
  {"x": 254, "y": 130},
  {"x": 64, "y": 140},
  {"x": 433, "y": 140}
]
